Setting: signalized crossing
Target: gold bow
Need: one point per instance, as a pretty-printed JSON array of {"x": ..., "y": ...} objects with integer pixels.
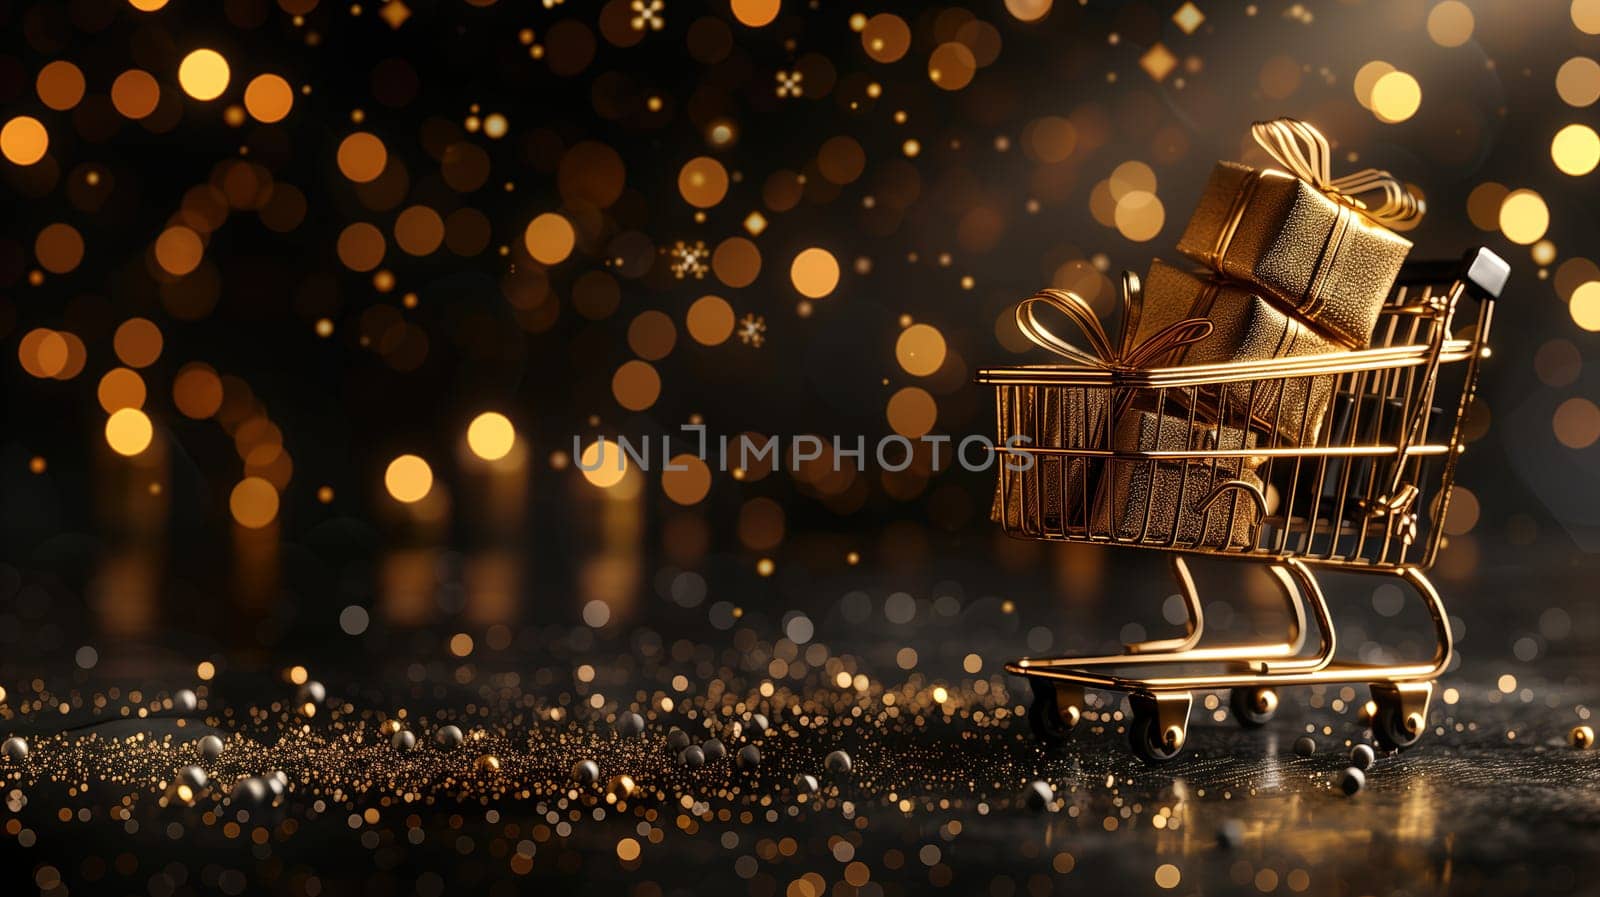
[
  {"x": 1303, "y": 150},
  {"x": 1101, "y": 353}
]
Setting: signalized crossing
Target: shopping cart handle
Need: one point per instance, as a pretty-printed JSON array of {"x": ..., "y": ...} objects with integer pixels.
[{"x": 1482, "y": 272}]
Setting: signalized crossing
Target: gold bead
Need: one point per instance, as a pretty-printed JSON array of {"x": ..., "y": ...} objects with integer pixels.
[
  {"x": 488, "y": 763},
  {"x": 620, "y": 787},
  {"x": 1582, "y": 737},
  {"x": 390, "y": 726}
]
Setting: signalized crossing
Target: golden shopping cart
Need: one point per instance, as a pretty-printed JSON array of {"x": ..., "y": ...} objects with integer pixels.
[{"x": 1339, "y": 462}]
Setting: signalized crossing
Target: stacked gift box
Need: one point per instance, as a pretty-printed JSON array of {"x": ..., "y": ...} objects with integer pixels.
[{"x": 1284, "y": 263}]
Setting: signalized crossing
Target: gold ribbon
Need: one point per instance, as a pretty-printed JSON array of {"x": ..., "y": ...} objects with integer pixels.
[
  {"x": 1304, "y": 152},
  {"x": 1101, "y": 353}
]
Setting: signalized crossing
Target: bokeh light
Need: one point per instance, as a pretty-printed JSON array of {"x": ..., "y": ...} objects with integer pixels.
[
  {"x": 1029, "y": 10},
  {"x": 1450, "y": 23},
  {"x": 268, "y": 98},
  {"x": 912, "y": 412},
  {"x": 549, "y": 238},
  {"x": 179, "y": 250},
  {"x": 636, "y": 385},
  {"x": 603, "y": 464},
  {"x": 120, "y": 388},
  {"x": 886, "y": 37},
  {"x": 203, "y": 74},
  {"x": 814, "y": 272},
  {"x": 755, "y": 13},
  {"x": 128, "y": 431},
  {"x": 1576, "y": 149},
  {"x": 24, "y": 140},
  {"x": 920, "y": 350},
  {"x": 1396, "y": 97},
  {"x": 703, "y": 182},
  {"x": 1578, "y": 81},
  {"x": 408, "y": 478},
  {"x": 491, "y": 436},
  {"x": 1584, "y": 306},
  {"x": 362, "y": 157},
  {"x": 253, "y": 502},
  {"x": 689, "y": 485},
  {"x": 137, "y": 342},
  {"x": 1524, "y": 217},
  {"x": 60, "y": 85},
  {"x": 710, "y": 320}
]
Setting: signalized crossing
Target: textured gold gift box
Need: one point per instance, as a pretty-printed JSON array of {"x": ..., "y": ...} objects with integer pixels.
[
  {"x": 1244, "y": 327},
  {"x": 1303, "y": 237},
  {"x": 1176, "y": 501},
  {"x": 1059, "y": 417}
]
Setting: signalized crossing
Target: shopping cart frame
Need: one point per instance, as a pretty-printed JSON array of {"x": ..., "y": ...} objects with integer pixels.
[{"x": 1388, "y": 521}]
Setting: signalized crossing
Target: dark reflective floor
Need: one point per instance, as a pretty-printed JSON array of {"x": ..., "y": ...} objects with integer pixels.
[{"x": 906, "y": 681}]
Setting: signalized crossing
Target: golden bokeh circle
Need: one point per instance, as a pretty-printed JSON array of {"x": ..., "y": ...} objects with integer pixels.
[
  {"x": 710, "y": 320},
  {"x": 603, "y": 464},
  {"x": 58, "y": 247},
  {"x": 137, "y": 342},
  {"x": 24, "y": 140},
  {"x": 952, "y": 66},
  {"x": 268, "y": 98},
  {"x": 1139, "y": 216},
  {"x": 1577, "y": 423},
  {"x": 1524, "y": 217},
  {"x": 1450, "y": 23},
  {"x": 912, "y": 412},
  {"x": 755, "y": 13},
  {"x": 1367, "y": 78},
  {"x": 886, "y": 37},
  {"x": 203, "y": 74},
  {"x": 703, "y": 182},
  {"x": 419, "y": 230},
  {"x": 179, "y": 250},
  {"x": 736, "y": 262},
  {"x": 129, "y": 432},
  {"x": 1029, "y": 10},
  {"x": 1483, "y": 204},
  {"x": 636, "y": 385},
  {"x": 135, "y": 94},
  {"x": 549, "y": 238},
  {"x": 254, "y": 502},
  {"x": 197, "y": 391},
  {"x": 362, "y": 157},
  {"x": 841, "y": 160},
  {"x": 1586, "y": 15},
  {"x": 1584, "y": 306},
  {"x": 60, "y": 85},
  {"x": 814, "y": 272},
  {"x": 651, "y": 335},
  {"x": 1396, "y": 97},
  {"x": 1578, "y": 81},
  {"x": 408, "y": 478},
  {"x": 491, "y": 436},
  {"x": 687, "y": 486},
  {"x": 120, "y": 388},
  {"x": 1575, "y": 149},
  {"x": 920, "y": 350},
  {"x": 361, "y": 246}
]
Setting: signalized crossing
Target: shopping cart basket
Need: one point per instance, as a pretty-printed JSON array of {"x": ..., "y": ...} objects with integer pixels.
[{"x": 1367, "y": 493}]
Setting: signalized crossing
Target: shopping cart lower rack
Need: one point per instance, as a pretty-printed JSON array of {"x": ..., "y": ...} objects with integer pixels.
[{"x": 1367, "y": 493}]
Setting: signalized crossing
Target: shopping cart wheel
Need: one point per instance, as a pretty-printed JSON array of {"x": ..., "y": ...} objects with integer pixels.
[
  {"x": 1253, "y": 707},
  {"x": 1401, "y": 713},
  {"x": 1159, "y": 726},
  {"x": 1055, "y": 711}
]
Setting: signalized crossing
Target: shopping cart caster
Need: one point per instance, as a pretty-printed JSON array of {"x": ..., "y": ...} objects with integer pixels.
[
  {"x": 1253, "y": 707},
  {"x": 1055, "y": 711},
  {"x": 1160, "y": 725},
  {"x": 1401, "y": 713}
]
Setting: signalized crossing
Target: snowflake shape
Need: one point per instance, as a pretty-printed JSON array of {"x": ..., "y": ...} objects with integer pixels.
[
  {"x": 690, "y": 259},
  {"x": 647, "y": 15},
  {"x": 789, "y": 84},
  {"x": 753, "y": 330}
]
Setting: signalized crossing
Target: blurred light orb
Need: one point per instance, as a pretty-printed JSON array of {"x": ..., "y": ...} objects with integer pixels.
[
  {"x": 636, "y": 385},
  {"x": 147, "y": 5},
  {"x": 710, "y": 320},
  {"x": 549, "y": 238},
  {"x": 24, "y": 140},
  {"x": 815, "y": 272},
  {"x": 197, "y": 391},
  {"x": 1029, "y": 10},
  {"x": 912, "y": 412},
  {"x": 1586, "y": 15},
  {"x": 203, "y": 74},
  {"x": 1585, "y": 305},
  {"x": 1450, "y": 23},
  {"x": 1139, "y": 216},
  {"x": 135, "y": 94},
  {"x": 409, "y": 479},
  {"x": 886, "y": 37},
  {"x": 920, "y": 349},
  {"x": 128, "y": 431},
  {"x": 1396, "y": 97},
  {"x": 755, "y": 13},
  {"x": 179, "y": 250},
  {"x": 603, "y": 463},
  {"x": 121, "y": 388},
  {"x": 268, "y": 98},
  {"x": 1578, "y": 81},
  {"x": 1367, "y": 78},
  {"x": 1483, "y": 204},
  {"x": 254, "y": 502},
  {"x": 1577, "y": 423},
  {"x": 952, "y": 66},
  {"x": 689, "y": 485},
  {"x": 60, "y": 85},
  {"x": 491, "y": 436},
  {"x": 137, "y": 342},
  {"x": 1576, "y": 150},
  {"x": 703, "y": 182},
  {"x": 361, "y": 157},
  {"x": 1524, "y": 217}
]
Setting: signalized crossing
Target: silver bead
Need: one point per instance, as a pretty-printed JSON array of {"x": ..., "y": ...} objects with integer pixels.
[
  {"x": 1362, "y": 756},
  {"x": 449, "y": 738},
  {"x": 250, "y": 792},
  {"x": 586, "y": 772},
  {"x": 16, "y": 750},
  {"x": 210, "y": 747},
  {"x": 838, "y": 761},
  {"x": 630, "y": 724},
  {"x": 1039, "y": 795},
  {"x": 805, "y": 784},
  {"x": 714, "y": 749},
  {"x": 193, "y": 776},
  {"x": 692, "y": 757},
  {"x": 312, "y": 692},
  {"x": 1305, "y": 746},
  {"x": 184, "y": 701},
  {"x": 749, "y": 757},
  {"x": 1352, "y": 780},
  {"x": 403, "y": 741}
]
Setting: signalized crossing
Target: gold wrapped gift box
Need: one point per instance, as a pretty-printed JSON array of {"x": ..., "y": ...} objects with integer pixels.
[
  {"x": 1244, "y": 327},
  {"x": 1166, "y": 501},
  {"x": 1052, "y": 494},
  {"x": 1324, "y": 259}
]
